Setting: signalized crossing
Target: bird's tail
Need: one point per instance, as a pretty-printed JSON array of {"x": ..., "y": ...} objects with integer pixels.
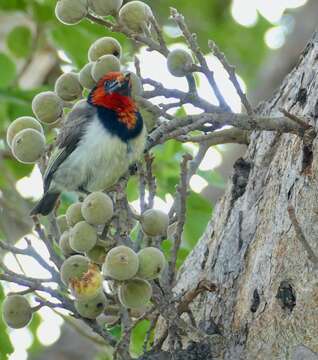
[{"x": 46, "y": 204}]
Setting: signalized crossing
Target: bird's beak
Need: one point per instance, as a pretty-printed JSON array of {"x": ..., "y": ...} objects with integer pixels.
[{"x": 120, "y": 85}]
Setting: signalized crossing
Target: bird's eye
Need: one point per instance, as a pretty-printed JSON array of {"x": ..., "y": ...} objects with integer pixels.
[{"x": 109, "y": 84}]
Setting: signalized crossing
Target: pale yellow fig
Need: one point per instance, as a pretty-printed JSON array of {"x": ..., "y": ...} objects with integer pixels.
[
  {"x": 85, "y": 76},
  {"x": 47, "y": 107},
  {"x": 97, "y": 208},
  {"x": 154, "y": 222},
  {"x": 64, "y": 244},
  {"x": 74, "y": 267},
  {"x": 74, "y": 214},
  {"x": 104, "y": 65},
  {"x": 97, "y": 254},
  {"x": 121, "y": 263},
  {"x": 135, "y": 293},
  {"x": 68, "y": 87},
  {"x": 16, "y": 311},
  {"x": 151, "y": 263},
  {"x": 21, "y": 123},
  {"x": 179, "y": 62},
  {"x": 135, "y": 15},
  {"x": 71, "y": 12},
  {"x": 28, "y": 146},
  {"x": 83, "y": 237},
  {"x": 62, "y": 223},
  {"x": 104, "y": 46},
  {"x": 91, "y": 308}
]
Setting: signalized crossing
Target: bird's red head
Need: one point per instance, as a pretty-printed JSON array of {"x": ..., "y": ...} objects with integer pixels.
[{"x": 113, "y": 92}]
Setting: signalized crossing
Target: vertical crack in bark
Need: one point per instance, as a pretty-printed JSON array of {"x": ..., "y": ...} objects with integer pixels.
[
  {"x": 240, "y": 240},
  {"x": 308, "y": 155},
  {"x": 240, "y": 177},
  {"x": 205, "y": 258},
  {"x": 301, "y": 97},
  {"x": 255, "y": 301}
]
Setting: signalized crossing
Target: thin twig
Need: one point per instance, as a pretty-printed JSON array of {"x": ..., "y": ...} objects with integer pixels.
[
  {"x": 137, "y": 66},
  {"x": 146, "y": 40},
  {"x": 295, "y": 118},
  {"x": 151, "y": 180},
  {"x": 184, "y": 125},
  {"x": 57, "y": 261},
  {"x": 181, "y": 211},
  {"x": 300, "y": 235},
  {"x": 30, "y": 251},
  {"x": 122, "y": 346},
  {"x": 193, "y": 45},
  {"x": 226, "y": 136},
  {"x": 195, "y": 100},
  {"x": 159, "y": 33},
  {"x": 232, "y": 76}
]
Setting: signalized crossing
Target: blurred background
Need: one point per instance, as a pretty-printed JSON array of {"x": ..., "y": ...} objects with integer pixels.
[{"x": 263, "y": 38}]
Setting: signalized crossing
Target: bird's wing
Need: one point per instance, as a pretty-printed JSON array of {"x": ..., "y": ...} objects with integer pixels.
[{"x": 71, "y": 133}]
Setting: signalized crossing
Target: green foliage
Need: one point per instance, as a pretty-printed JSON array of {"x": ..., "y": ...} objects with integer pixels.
[
  {"x": 19, "y": 41},
  {"x": 67, "y": 38},
  {"x": 13, "y": 5},
  {"x": 198, "y": 215},
  {"x": 115, "y": 331},
  {"x": 8, "y": 71},
  {"x": 213, "y": 178},
  {"x": 167, "y": 166},
  {"x": 137, "y": 337}
]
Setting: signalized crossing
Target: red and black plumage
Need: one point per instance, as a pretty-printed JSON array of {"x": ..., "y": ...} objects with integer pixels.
[{"x": 98, "y": 142}]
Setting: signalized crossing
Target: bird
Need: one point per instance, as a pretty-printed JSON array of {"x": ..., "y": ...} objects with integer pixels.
[{"x": 99, "y": 140}]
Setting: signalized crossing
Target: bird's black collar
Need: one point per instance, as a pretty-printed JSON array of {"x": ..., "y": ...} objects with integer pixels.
[{"x": 109, "y": 120}]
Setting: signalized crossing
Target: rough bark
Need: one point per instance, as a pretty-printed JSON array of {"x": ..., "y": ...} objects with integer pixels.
[{"x": 267, "y": 297}]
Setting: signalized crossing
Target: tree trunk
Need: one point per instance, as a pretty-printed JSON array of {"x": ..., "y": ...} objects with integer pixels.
[{"x": 266, "y": 304}]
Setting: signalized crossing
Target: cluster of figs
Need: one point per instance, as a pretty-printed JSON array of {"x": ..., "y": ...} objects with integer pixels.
[
  {"x": 25, "y": 135},
  {"x": 91, "y": 262}
]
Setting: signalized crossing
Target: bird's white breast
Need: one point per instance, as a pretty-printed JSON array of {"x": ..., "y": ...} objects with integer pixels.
[{"x": 99, "y": 160}]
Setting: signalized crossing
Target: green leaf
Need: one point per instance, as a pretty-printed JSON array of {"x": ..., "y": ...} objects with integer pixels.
[
  {"x": 17, "y": 169},
  {"x": 132, "y": 188},
  {"x": 167, "y": 166},
  {"x": 76, "y": 40},
  {"x": 115, "y": 331},
  {"x": 8, "y": 71},
  {"x": 19, "y": 41},
  {"x": 198, "y": 214},
  {"x": 213, "y": 178},
  {"x": 13, "y": 4},
  {"x": 43, "y": 11},
  {"x": 137, "y": 337},
  {"x": 6, "y": 347}
]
